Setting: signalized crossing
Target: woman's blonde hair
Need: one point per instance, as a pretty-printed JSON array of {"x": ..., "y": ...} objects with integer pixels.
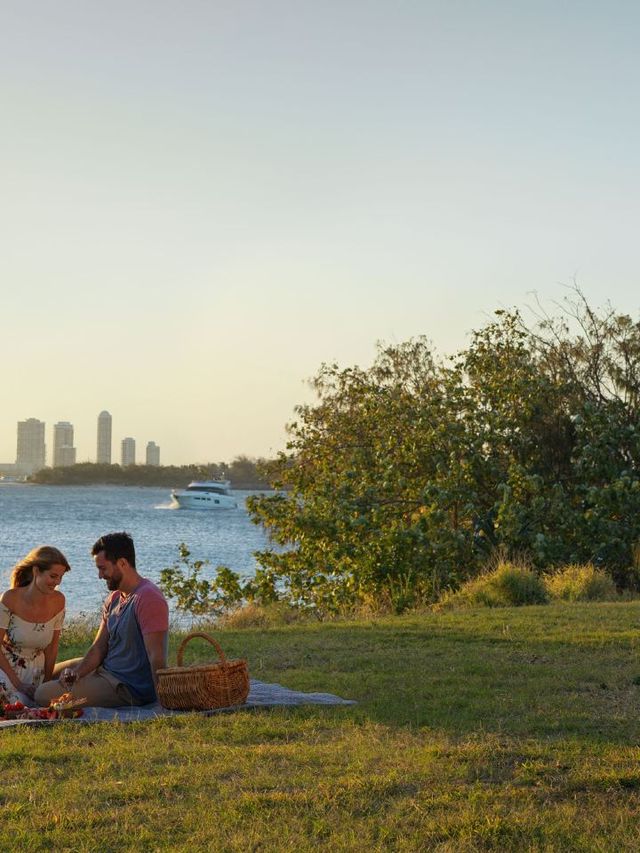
[{"x": 41, "y": 558}]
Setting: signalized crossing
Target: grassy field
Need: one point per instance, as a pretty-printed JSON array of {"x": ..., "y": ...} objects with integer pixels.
[{"x": 506, "y": 729}]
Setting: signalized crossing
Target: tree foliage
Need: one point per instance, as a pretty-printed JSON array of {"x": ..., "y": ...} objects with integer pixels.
[
  {"x": 402, "y": 478},
  {"x": 199, "y": 596}
]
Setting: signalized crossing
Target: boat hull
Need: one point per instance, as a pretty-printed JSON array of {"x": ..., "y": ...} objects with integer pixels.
[{"x": 204, "y": 501}]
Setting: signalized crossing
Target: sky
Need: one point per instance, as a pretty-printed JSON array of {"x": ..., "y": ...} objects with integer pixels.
[{"x": 202, "y": 201}]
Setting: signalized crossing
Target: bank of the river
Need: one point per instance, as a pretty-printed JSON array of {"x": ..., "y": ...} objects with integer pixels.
[
  {"x": 488, "y": 730},
  {"x": 241, "y": 476}
]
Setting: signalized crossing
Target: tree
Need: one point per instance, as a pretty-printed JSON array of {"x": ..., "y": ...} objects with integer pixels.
[{"x": 403, "y": 477}]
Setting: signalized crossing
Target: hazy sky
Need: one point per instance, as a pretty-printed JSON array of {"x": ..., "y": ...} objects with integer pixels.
[{"x": 203, "y": 201}]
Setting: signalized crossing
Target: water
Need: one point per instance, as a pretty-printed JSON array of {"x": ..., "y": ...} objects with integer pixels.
[{"x": 73, "y": 517}]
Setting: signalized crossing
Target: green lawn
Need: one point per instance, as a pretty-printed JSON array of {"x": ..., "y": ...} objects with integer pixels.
[{"x": 510, "y": 729}]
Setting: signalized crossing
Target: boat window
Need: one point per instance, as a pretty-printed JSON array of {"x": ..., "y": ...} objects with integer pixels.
[{"x": 218, "y": 490}]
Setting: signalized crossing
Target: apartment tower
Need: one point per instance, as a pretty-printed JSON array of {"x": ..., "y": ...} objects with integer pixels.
[
  {"x": 31, "y": 452},
  {"x": 153, "y": 453},
  {"x": 104, "y": 438},
  {"x": 128, "y": 451},
  {"x": 64, "y": 453}
]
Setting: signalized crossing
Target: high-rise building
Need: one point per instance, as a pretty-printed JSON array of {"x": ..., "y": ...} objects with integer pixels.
[
  {"x": 104, "y": 438},
  {"x": 64, "y": 453},
  {"x": 153, "y": 453},
  {"x": 67, "y": 456},
  {"x": 128, "y": 451},
  {"x": 31, "y": 453}
]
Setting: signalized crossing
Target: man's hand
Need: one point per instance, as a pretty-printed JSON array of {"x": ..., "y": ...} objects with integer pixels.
[{"x": 68, "y": 677}]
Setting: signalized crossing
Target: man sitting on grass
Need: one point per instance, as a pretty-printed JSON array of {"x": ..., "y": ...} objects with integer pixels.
[{"x": 131, "y": 643}]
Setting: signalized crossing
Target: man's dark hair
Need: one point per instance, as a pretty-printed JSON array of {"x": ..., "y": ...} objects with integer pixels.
[{"x": 116, "y": 545}]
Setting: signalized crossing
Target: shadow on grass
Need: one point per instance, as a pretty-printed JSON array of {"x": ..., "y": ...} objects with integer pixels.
[{"x": 554, "y": 671}]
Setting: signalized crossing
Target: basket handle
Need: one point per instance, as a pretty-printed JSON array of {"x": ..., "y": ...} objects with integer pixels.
[{"x": 204, "y": 636}]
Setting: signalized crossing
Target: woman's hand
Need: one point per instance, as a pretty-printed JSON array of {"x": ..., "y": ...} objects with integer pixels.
[{"x": 28, "y": 689}]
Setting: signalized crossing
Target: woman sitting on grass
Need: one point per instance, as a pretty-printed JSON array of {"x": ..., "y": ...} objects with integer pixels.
[{"x": 31, "y": 617}]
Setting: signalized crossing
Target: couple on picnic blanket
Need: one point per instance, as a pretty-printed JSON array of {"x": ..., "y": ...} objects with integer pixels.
[{"x": 130, "y": 646}]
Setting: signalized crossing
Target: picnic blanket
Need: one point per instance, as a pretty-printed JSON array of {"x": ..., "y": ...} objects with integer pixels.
[{"x": 261, "y": 695}]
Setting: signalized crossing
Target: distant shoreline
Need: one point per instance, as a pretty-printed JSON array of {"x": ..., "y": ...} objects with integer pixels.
[
  {"x": 238, "y": 487},
  {"x": 243, "y": 473}
]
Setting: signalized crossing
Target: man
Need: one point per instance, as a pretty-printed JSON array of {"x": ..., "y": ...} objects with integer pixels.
[{"x": 131, "y": 643}]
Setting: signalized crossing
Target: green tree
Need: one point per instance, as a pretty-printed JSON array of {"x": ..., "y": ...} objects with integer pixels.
[
  {"x": 383, "y": 452},
  {"x": 404, "y": 476}
]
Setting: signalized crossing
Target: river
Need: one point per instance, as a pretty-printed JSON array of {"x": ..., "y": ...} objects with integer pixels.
[{"x": 73, "y": 517}]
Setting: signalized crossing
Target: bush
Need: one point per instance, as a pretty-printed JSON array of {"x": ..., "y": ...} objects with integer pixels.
[
  {"x": 508, "y": 585},
  {"x": 225, "y": 591},
  {"x": 581, "y": 583},
  {"x": 252, "y": 615}
]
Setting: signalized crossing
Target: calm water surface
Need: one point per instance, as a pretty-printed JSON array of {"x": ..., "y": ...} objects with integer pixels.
[{"x": 73, "y": 517}]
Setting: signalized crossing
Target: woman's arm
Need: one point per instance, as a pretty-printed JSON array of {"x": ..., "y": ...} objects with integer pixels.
[
  {"x": 6, "y": 667},
  {"x": 50, "y": 655}
]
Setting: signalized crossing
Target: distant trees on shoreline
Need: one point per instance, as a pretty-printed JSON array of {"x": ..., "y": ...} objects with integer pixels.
[{"x": 242, "y": 472}]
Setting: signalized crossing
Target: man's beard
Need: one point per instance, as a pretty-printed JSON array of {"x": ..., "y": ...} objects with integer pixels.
[{"x": 113, "y": 583}]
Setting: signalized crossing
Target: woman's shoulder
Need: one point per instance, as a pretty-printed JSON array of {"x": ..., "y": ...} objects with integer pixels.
[
  {"x": 58, "y": 602},
  {"x": 10, "y": 597}
]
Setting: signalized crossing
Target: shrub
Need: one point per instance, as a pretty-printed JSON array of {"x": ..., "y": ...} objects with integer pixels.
[
  {"x": 225, "y": 591},
  {"x": 581, "y": 583},
  {"x": 252, "y": 615},
  {"x": 508, "y": 585}
]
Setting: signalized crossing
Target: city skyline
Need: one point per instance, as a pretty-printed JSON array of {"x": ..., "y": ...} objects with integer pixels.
[
  {"x": 32, "y": 452},
  {"x": 203, "y": 203}
]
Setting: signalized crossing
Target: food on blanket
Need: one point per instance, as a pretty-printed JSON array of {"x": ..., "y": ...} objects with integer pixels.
[
  {"x": 18, "y": 711},
  {"x": 66, "y": 706},
  {"x": 10, "y": 710},
  {"x": 62, "y": 702}
]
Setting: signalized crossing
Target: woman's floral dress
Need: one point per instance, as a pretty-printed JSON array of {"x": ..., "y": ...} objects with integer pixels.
[{"x": 23, "y": 645}]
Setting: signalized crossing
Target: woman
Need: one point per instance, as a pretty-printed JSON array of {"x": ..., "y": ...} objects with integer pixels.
[{"x": 31, "y": 617}]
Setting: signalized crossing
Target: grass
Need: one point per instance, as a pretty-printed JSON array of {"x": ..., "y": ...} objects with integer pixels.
[{"x": 488, "y": 729}]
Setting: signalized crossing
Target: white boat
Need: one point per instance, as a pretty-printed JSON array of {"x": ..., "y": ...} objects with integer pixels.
[{"x": 205, "y": 494}]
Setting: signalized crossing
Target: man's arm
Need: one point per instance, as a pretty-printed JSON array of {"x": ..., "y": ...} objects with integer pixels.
[
  {"x": 155, "y": 644},
  {"x": 91, "y": 660}
]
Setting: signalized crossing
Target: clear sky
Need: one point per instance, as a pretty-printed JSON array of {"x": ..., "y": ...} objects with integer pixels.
[{"x": 202, "y": 200}]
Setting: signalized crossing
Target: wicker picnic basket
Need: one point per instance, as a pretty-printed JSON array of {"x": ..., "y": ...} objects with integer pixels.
[{"x": 200, "y": 687}]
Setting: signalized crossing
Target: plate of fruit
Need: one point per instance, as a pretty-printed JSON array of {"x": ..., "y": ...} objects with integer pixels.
[
  {"x": 63, "y": 707},
  {"x": 18, "y": 711},
  {"x": 66, "y": 706}
]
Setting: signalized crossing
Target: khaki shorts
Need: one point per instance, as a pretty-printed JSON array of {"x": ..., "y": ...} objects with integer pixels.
[{"x": 100, "y": 688}]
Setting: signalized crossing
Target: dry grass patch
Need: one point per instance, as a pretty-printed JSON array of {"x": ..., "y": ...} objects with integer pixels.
[{"x": 581, "y": 583}]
